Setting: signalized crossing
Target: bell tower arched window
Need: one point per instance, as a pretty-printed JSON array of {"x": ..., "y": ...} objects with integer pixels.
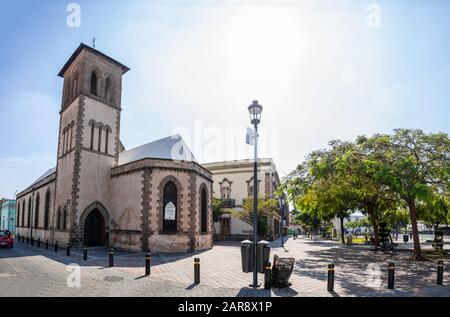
[
  {"x": 108, "y": 90},
  {"x": 94, "y": 83}
]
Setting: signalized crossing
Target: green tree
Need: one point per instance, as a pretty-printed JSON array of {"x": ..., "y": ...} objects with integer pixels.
[
  {"x": 217, "y": 208},
  {"x": 266, "y": 208},
  {"x": 413, "y": 164}
]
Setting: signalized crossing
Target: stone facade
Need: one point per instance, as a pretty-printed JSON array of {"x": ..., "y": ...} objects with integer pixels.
[{"x": 91, "y": 197}]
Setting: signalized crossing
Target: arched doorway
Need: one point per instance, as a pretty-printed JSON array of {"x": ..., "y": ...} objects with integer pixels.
[{"x": 94, "y": 229}]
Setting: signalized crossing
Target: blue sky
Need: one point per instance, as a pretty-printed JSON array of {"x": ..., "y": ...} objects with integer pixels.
[{"x": 318, "y": 68}]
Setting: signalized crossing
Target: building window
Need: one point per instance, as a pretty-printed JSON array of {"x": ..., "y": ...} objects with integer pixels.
[
  {"x": 94, "y": 84},
  {"x": 23, "y": 213},
  {"x": 63, "y": 142},
  {"x": 99, "y": 138},
  {"x": 108, "y": 90},
  {"x": 106, "y": 140},
  {"x": 70, "y": 137},
  {"x": 225, "y": 189},
  {"x": 46, "y": 209},
  {"x": 170, "y": 207},
  {"x": 92, "y": 134},
  {"x": 29, "y": 213},
  {"x": 18, "y": 215},
  {"x": 204, "y": 211},
  {"x": 36, "y": 211},
  {"x": 58, "y": 219},
  {"x": 64, "y": 218}
]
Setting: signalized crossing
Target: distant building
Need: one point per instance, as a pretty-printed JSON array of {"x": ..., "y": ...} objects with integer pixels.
[
  {"x": 8, "y": 214},
  {"x": 233, "y": 183}
]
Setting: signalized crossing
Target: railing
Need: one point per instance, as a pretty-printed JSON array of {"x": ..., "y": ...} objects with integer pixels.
[{"x": 229, "y": 203}]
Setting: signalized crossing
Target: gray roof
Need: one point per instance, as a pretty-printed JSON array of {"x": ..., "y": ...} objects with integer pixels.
[
  {"x": 170, "y": 148},
  {"x": 46, "y": 174}
]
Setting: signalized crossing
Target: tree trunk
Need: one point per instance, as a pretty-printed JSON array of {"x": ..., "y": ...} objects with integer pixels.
[
  {"x": 342, "y": 229},
  {"x": 417, "y": 254},
  {"x": 376, "y": 232}
]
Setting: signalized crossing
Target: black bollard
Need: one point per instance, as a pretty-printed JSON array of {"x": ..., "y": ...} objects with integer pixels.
[
  {"x": 56, "y": 246},
  {"x": 32, "y": 241},
  {"x": 84, "y": 253},
  {"x": 196, "y": 270},
  {"x": 46, "y": 244},
  {"x": 148, "y": 261},
  {"x": 68, "y": 249},
  {"x": 330, "y": 286},
  {"x": 391, "y": 273},
  {"x": 267, "y": 276},
  {"x": 111, "y": 257},
  {"x": 28, "y": 241},
  {"x": 440, "y": 272},
  {"x": 39, "y": 243}
]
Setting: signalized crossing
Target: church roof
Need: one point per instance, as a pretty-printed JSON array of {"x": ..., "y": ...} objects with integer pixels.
[
  {"x": 94, "y": 51},
  {"x": 46, "y": 174},
  {"x": 169, "y": 148}
]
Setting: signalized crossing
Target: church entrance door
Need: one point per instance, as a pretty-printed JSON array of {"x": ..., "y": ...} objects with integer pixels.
[{"x": 94, "y": 229}]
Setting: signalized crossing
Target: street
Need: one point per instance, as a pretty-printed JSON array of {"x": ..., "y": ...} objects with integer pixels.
[{"x": 26, "y": 270}]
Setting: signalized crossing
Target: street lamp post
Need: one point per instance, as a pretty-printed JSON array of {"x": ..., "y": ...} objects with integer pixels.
[
  {"x": 255, "y": 110},
  {"x": 282, "y": 203}
]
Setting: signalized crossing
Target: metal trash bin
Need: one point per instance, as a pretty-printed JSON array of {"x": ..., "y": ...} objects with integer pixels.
[
  {"x": 263, "y": 255},
  {"x": 247, "y": 256}
]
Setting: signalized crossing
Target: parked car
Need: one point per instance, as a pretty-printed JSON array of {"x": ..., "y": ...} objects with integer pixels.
[{"x": 6, "y": 239}]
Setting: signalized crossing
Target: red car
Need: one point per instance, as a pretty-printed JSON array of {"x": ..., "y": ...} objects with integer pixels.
[{"x": 6, "y": 239}]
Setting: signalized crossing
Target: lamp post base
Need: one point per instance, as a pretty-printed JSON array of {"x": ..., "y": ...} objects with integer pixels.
[{"x": 257, "y": 285}]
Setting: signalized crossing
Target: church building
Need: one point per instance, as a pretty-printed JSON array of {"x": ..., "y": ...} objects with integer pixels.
[{"x": 153, "y": 197}]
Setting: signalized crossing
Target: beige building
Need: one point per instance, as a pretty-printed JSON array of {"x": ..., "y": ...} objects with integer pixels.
[
  {"x": 233, "y": 182},
  {"x": 155, "y": 196}
]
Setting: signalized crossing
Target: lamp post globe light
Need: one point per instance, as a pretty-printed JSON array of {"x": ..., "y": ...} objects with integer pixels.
[{"x": 255, "y": 110}]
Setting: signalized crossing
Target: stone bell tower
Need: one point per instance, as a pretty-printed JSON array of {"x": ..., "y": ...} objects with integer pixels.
[{"x": 89, "y": 142}]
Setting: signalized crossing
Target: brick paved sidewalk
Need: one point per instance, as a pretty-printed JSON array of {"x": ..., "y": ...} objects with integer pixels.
[{"x": 221, "y": 270}]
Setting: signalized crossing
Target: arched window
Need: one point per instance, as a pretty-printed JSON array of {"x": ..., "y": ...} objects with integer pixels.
[
  {"x": 46, "y": 209},
  {"x": 64, "y": 218},
  {"x": 75, "y": 85},
  {"x": 58, "y": 219},
  {"x": 94, "y": 79},
  {"x": 69, "y": 90},
  {"x": 92, "y": 123},
  {"x": 204, "y": 211},
  {"x": 70, "y": 137},
  {"x": 108, "y": 90},
  {"x": 170, "y": 207},
  {"x": 29, "y": 213},
  {"x": 99, "y": 138},
  {"x": 36, "y": 211},
  {"x": 64, "y": 141},
  {"x": 23, "y": 213},
  {"x": 18, "y": 214},
  {"x": 107, "y": 131}
]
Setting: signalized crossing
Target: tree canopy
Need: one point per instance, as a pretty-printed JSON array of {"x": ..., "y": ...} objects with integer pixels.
[{"x": 379, "y": 176}]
